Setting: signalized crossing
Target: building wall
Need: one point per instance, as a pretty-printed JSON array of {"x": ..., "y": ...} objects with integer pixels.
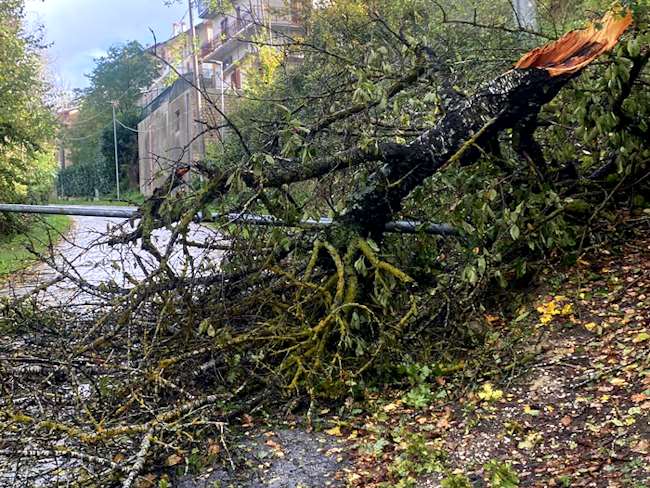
[
  {"x": 167, "y": 126},
  {"x": 66, "y": 118},
  {"x": 164, "y": 137}
]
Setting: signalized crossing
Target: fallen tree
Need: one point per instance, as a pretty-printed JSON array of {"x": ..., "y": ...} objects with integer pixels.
[
  {"x": 466, "y": 131},
  {"x": 290, "y": 317}
]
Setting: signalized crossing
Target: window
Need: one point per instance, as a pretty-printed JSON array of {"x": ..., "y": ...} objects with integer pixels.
[
  {"x": 177, "y": 120},
  {"x": 224, "y": 28},
  {"x": 235, "y": 79},
  {"x": 238, "y": 16}
]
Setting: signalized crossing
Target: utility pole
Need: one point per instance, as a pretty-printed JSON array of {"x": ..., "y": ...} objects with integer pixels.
[
  {"x": 117, "y": 165},
  {"x": 525, "y": 13},
  {"x": 197, "y": 79}
]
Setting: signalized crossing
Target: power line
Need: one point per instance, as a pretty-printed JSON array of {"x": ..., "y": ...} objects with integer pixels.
[{"x": 127, "y": 127}]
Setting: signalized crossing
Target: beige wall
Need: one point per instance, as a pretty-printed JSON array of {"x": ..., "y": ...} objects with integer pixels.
[
  {"x": 166, "y": 132},
  {"x": 66, "y": 118},
  {"x": 164, "y": 138}
]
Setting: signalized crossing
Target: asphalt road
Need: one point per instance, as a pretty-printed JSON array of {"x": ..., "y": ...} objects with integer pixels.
[{"x": 84, "y": 254}]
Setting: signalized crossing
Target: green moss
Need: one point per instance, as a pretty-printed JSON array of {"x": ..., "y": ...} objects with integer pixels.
[{"x": 13, "y": 253}]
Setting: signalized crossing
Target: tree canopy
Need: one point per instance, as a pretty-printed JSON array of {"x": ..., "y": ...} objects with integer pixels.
[
  {"x": 119, "y": 78},
  {"x": 26, "y": 122}
]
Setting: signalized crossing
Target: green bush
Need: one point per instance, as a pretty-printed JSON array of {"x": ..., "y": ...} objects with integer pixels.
[{"x": 82, "y": 179}]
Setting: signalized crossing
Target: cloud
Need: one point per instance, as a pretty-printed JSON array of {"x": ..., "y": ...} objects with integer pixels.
[{"x": 81, "y": 30}]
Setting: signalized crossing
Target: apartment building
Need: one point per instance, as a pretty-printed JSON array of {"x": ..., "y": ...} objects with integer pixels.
[
  {"x": 234, "y": 30},
  {"x": 228, "y": 36},
  {"x": 66, "y": 117}
]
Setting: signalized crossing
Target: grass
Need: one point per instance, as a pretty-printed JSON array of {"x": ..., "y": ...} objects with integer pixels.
[
  {"x": 128, "y": 199},
  {"x": 13, "y": 254}
]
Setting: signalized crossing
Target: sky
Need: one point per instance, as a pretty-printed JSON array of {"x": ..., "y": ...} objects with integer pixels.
[{"x": 81, "y": 30}]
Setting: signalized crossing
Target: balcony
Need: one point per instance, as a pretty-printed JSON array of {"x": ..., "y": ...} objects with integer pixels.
[
  {"x": 203, "y": 7},
  {"x": 222, "y": 42},
  {"x": 210, "y": 46}
]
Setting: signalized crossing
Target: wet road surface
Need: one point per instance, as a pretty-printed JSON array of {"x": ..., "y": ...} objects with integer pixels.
[{"x": 84, "y": 254}]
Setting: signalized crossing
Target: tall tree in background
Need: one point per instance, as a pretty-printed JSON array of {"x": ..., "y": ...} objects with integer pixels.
[
  {"x": 27, "y": 164},
  {"x": 120, "y": 77}
]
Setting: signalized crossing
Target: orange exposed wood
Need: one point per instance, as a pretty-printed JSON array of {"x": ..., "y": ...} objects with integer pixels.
[{"x": 578, "y": 48}]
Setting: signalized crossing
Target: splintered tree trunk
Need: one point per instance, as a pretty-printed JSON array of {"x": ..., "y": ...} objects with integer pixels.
[{"x": 503, "y": 103}]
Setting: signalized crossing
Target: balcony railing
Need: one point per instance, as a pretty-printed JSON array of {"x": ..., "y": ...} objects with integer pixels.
[
  {"x": 204, "y": 8},
  {"x": 223, "y": 38},
  {"x": 234, "y": 28},
  {"x": 211, "y": 83}
]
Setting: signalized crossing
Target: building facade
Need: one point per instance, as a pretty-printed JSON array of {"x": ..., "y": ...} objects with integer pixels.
[
  {"x": 228, "y": 36},
  {"x": 66, "y": 118}
]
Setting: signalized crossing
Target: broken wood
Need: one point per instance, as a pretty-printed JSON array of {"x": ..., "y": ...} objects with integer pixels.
[{"x": 575, "y": 50}]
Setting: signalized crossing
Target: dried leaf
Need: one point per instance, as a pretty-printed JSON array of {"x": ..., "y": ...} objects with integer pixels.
[
  {"x": 214, "y": 448},
  {"x": 639, "y": 397},
  {"x": 173, "y": 460},
  {"x": 335, "y": 431},
  {"x": 641, "y": 447}
]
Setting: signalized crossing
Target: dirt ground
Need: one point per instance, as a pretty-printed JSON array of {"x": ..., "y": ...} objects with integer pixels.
[{"x": 576, "y": 415}]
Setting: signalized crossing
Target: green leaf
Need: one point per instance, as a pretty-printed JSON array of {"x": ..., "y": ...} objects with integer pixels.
[
  {"x": 471, "y": 275},
  {"x": 360, "y": 266},
  {"x": 514, "y": 232},
  {"x": 482, "y": 265},
  {"x": 633, "y": 47}
]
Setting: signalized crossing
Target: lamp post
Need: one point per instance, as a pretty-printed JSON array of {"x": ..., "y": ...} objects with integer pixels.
[
  {"x": 197, "y": 81},
  {"x": 117, "y": 165}
]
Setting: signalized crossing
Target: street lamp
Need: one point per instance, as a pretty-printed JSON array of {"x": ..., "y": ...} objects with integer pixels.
[{"x": 117, "y": 165}]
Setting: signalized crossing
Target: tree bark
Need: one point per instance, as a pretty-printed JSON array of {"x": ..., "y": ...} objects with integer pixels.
[{"x": 500, "y": 104}]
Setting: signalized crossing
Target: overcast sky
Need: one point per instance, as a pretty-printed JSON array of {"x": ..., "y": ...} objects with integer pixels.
[{"x": 81, "y": 30}]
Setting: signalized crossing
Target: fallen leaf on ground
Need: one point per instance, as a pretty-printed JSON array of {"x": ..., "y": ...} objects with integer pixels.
[
  {"x": 641, "y": 447},
  {"x": 173, "y": 460},
  {"x": 335, "y": 431}
]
